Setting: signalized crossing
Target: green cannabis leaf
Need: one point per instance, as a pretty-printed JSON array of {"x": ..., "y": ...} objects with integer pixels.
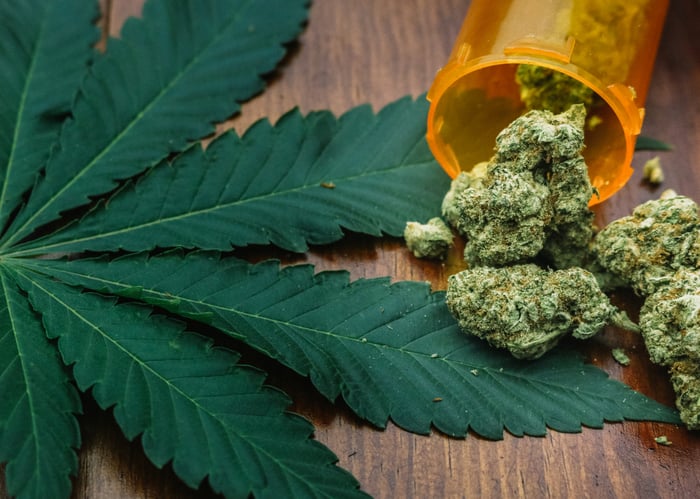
[
  {"x": 645, "y": 143},
  {"x": 186, "y": 65},
  {"x": 38, "y": 432},
  {"x": 312, "y": 175},
  {"x": 87, "y": 169},
  {"x": 162, "y": 84},
  {"x": 44, "y": 51},
  {"x": 185, "y": 397},
  {"x": 389, "y": 350}
]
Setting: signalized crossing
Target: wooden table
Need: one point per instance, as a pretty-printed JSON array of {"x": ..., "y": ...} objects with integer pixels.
[{"x": 376, "y": 51}]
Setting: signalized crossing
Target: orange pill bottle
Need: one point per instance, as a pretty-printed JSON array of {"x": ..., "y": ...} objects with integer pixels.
[{"x": 608, "y": 45}]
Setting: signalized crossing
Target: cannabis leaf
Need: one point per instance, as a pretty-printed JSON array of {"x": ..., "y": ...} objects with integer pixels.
[
  {"x": 186, "y": 65},
  {"x": 164, "y": 83},
  {"x": 98, "y": 155},
  {"x": 44, "y": 51},
  {"x": 312, "y": 175},
  {"x": 645, "y": 143},
  {"x": 38, "y": 433},
  {"x": 389, "y": 350},
  {"x": 185, "y": 397}
]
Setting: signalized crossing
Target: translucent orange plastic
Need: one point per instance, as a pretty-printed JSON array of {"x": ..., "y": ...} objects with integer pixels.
[{"x": 609, "y": 45}]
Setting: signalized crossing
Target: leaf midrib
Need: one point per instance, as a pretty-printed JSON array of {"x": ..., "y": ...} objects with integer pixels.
[
  {"x": 26, "y": 377},
  {"x": 172, "y": 387},
  {"x": 495, "y": 373},
  {"x": 32, "y": 249},
  {"x": 21, "y": 230},
  {"x": 168, "y": 297},
  {"x": 20, "y": 113}
]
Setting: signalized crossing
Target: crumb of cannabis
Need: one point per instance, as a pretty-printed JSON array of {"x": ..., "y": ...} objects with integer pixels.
[
  {"x": 527, "y": 309},
  {"x": 546, "y": 89},
  {"x": 430, "y": 240},
  {"x": 620, "y": 356},
  {"x": 663, "y": 440},
  {"x": 593, "y": 121},
  {"x": 652, "y": 171},
  {"x": 531, "y": 197},
  {"x": 647, "y": 247}
]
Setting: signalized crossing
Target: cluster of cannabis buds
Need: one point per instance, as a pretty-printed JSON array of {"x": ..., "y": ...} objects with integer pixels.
[
  {"x": 536, "y": 271},
  {"x": 656, "y": 251}
]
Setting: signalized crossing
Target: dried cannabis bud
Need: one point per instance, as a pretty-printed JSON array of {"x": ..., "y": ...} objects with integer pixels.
[
  {"x": 685, "y": 378},
  {"x": 546, "y": 89},
  {"x": 670, "y": 319},
  {"x": 532, "y": 196},
  {"x": 657, "y": 251},
  {"x": 472, "y": 178},
  {"x": 670, "y": 324},
  {"x": 430, "y": 240},
  {"x": 646, "y": 248},
  {"x": 652, "y": 172},
  {"x": 527, "y": 309}
]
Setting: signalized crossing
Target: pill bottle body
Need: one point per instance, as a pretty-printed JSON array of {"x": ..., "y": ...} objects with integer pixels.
[{"x": 607, "y": 45}]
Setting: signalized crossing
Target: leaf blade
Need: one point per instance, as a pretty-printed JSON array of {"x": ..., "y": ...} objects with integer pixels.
[
  {"x": 191, "y": 402},
  {"x": 389, "y": 350},
  {"x": 38, "y": 429},
  {"x": 645, "y": 143},
  {"x": 154, "y": 92},
  {"x": 298, "y": 183},
  {"x": 44, "y": 50}
]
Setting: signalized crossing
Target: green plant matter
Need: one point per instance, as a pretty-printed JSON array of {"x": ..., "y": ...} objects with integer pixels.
[
  {"x": 531, "y": 199},
  {"x": 652, "y": 171},
  {"x": 621, "y": 356},
  {"x": 609, "y": 31},
  {"x": 549, "y": 90},
  {"x": 430, "y": 240},
  {"x": 450, "y": 207},
  {"x": 528, "y": 310},
  {"x": 311, "y": 323},
  {"x": 647, "y": 247},
  {"x": 685, "y": 378},
  {"x": 107, "y": 208},
  {"x": 670, "y": 321},
  {"x": 645, "y": 143},
  {"x": 670, "y": 324},
  {"x": 663, "y": 440},
  {"x": 657, "y": 251}
]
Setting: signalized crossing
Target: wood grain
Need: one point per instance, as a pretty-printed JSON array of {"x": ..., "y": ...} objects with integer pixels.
[{"x": 369, "y": 51}]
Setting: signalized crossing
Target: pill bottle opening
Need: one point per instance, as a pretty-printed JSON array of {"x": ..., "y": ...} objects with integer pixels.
[{"x": 478, "y": 102}]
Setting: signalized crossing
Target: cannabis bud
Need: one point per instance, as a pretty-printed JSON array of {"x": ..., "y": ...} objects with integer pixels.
[
  {"x": 646, "y": 248},
  {"x": 656, "y": 250},
  {"x": 670, "y": 319},
  {"x": 670, "y": 323},
  {"x": 430, "y": 240},
  {"x": 531, "y": 197},
  {"x": 471, "y": 178},
  {"x": 527, "y": 309},
  {"x": 685, "y": 378},
  {"x": 547, "y": 89}
]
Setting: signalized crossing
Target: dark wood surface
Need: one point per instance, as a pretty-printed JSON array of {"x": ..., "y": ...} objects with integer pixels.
[{"x": 372, "y": 51}]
